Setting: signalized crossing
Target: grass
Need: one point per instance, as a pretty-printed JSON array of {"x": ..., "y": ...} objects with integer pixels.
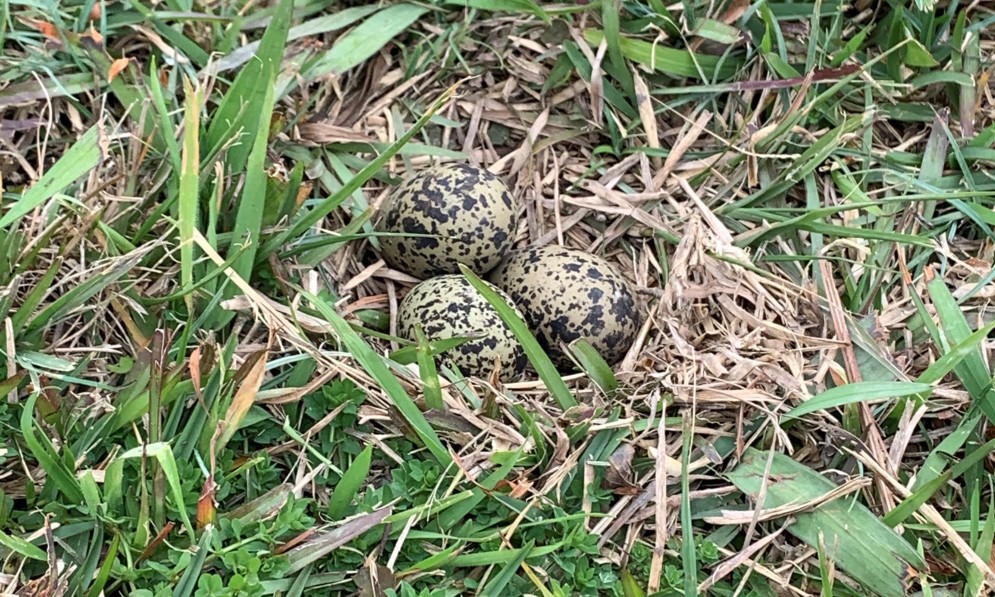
[{"x": 203, "y": 396}]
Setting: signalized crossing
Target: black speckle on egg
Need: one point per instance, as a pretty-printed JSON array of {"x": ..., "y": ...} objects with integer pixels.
[
  {"x": 567, "y": 294},
  {"x": 469, "y": 212},
  {"x": 449, "y": 307}
]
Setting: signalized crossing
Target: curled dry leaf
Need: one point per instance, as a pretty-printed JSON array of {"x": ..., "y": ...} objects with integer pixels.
[{"x": 618, "y": 475}]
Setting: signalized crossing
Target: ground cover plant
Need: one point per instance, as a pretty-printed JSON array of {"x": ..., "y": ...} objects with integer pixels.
[{"x": 204, "y": 394}]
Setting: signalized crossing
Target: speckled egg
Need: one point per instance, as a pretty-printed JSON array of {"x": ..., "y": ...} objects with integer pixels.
[
  {"x": 449, "y": 307},
  {"x": 568, "y": 294},
  {"x": 469, "y": 213}
]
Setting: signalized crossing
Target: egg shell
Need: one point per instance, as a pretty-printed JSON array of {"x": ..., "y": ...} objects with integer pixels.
[
  {"x": 568, "y": 294},
  {"x": 468, "y": 210},
  {"x": 449, "y": 307}
]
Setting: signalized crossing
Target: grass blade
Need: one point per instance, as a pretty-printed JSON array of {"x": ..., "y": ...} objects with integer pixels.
[
  {"x": 189, "y": 185},
  {"x": 85, "y": 155},
  {"x": 496, "y": 587},
  {"x": 373, "y": 363},
  {"x": 861, "y": 545},
  {"x": 348, "y": 486},
  {"x": 858, "y": 392},
  {"x": 543, "y": 365},
  {"x": 44, "y": 452},
  {"x": 371, "y": 169},
  {"x": 368, "y": 38}
]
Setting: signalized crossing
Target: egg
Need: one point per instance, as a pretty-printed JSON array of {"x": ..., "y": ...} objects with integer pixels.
[
  {"x": 567, "y": 294},
  {"x": 449, "y": 307},
  {"x": 468, "y": 212}
]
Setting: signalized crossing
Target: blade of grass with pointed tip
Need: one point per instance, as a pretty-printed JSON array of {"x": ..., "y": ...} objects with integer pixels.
[
  {"x": 348, "y": 486},
  {"x": 426, "y": 369},
  {"x": 163, "y": 453},
  {"x": 514, "y": 6},
  {"x": 972, "y": 370},
  {"x": 862, "y": 546},
  {"x": 923, "y": 493},
  {"x": 496, "y": 587},
  {"x": 84, "y": 155},
  {"x": 22, "y": 547},
  {"x": 409, "y": 354},
  {"x": 543, "y": 365},
  {"x": 373, "y": 363},
  {"x": 630, "y": 586},
  {"x": 187, "y": 585},
  {"x": 355, "y": 47},
  {"x": 245, "y": 235},
  {"x": 241, "y": 111},
  {"x": 689, "y": 556},
  {"x": 44, "y": 452},
  {"x": 858, "y": 392},
  {"x": 595, "y": 366}
]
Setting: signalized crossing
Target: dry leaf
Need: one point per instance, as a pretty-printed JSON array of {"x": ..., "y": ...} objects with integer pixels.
[{"x": 116, "y": 67}]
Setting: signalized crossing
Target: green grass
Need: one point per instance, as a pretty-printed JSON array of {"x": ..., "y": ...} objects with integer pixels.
[{"x": 201, "y": 395}]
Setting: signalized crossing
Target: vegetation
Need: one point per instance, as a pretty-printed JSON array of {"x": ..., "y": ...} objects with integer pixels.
[{"x": 203, "y": 395}]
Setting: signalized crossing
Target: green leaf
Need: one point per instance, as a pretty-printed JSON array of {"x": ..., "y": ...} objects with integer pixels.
[
  {"x": 717, "y": 31},
  {"x": 22, "y": 547},
  {"x": 189, "y": 174},
  {"x": 163, "y": 453},
  {"x": 355, "y": 47},
  {"x": 674, "y": 62},
  {"x": 43, "y": 451},
  {"x": 514, "y": 6},
  {"x": 630, "y": 586},
  {"x": 249, "y": 219},
  {"x": 861, "y": 545},
  {"x": 497, "y": 584},
  {"x": 348, "y": 486},
  {"x": 79, "y": 159},
  {"x": 241, "y": 111},
  {"x": 187, "y": 585},
  {"x": 328, "y": 205},
  {"x": 595, "y": 366},
  {"x": 858, "y": 392}
]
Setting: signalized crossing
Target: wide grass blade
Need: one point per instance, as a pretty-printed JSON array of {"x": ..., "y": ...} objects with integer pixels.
[
  {"x": 189, "y": 195},
  {"x": 85, "y": 155},
  {"x": 22, "y": 547},
  {"x": 858, "y": 542},
  {"x": 325, "y": 542},
  {"x": 241, "y": 112},
  {"x": 348, "y": 486},
  {"x": 44, "y": 452},
  {"x": 595, "y": 366},
  {"x": 249, "y": 219},
  {"x": 163, "y": 453},
  {"x": 366, "y": 39},
  {"x": 676, "y": 63},
  {"x": 858, "y": 392},
  {"x": 496, "y": 587}
]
